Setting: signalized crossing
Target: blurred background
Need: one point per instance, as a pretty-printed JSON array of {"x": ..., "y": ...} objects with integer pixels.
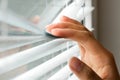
[{"x": 109, "y": 26}]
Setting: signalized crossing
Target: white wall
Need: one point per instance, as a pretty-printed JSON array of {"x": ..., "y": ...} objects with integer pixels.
[{"x": 109, "y": 25}]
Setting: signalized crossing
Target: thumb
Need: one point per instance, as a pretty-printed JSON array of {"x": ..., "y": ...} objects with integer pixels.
[{"x": 82, "y": 71}]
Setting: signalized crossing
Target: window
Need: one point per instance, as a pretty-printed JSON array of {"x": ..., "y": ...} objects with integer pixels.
[{"x": 25, "y": 52}]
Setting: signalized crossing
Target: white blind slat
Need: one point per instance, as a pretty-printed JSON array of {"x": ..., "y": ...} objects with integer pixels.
[
  {"x": 62, "y": 74},
  {"x": 24, "y": 57},
  {"x": 70, "y": 11},
  {"x": 87, "y": 11},
  {"x": 40, "y": 70},
  {"x": 17, "y": 41},
  {"x": 12, "y": 19},
  {"x": 58, "y": 6}
]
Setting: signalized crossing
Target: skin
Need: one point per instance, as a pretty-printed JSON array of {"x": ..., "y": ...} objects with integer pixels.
[{"x": 96, "y": 63}]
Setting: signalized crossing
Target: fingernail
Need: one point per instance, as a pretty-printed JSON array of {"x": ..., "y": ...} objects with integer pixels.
[
  {"x": 48, "y": 29},
  {"x": 53, "y": 31},
  {"x": 47, "y": 26},
  {"x": 76, "y": 64}
]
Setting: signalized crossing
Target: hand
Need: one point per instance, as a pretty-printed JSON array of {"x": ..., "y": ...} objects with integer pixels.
[{"x": 96, "y": 62}]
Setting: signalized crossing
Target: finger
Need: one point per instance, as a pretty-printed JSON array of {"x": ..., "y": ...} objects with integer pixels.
[
  {"x": 66, "y": 19},
  {"x": 65, "y": 25},
  {"x": 79, "y": 36},
  {"x": 84, "y": 39},
  {"x": 82, "y": 71}
]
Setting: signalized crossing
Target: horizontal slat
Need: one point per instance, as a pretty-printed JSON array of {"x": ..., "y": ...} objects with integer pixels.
[
  {"x": 69, "y": 11},
  {"x": 13, "y": 19},
  {"x": 19, "y": 41},
  {"x": 5, "y": 46},
  {"x": 15, "y": 38},
  {"x": 83, "y": 12},
  {"x": 62, "y": 74},
  {"x": 42, "y": 69},
  {"x": 52, "y": 9},
  {"x": 24, "y": 57}
]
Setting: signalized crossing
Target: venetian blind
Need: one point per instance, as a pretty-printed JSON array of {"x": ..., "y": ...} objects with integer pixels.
[{"x": 26, "y": 53}]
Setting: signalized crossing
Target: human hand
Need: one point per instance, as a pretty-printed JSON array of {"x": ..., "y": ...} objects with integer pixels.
[{"x": 96, "y": 63}]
